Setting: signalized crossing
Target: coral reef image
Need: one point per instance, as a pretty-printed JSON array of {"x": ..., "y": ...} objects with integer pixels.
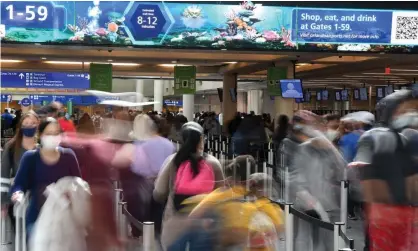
[{"x": 242, "y": 26}]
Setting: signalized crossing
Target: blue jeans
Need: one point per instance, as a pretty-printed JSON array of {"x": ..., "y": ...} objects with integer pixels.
[{"x": 198, "y": 239}]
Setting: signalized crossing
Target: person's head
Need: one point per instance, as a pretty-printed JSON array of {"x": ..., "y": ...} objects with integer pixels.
[
  {"x": 72, "y": 117},
  {"x": 305, "y": 124},
  {"x": 179, "y": 121},
  {"x": 192, "y": 147},
  {"x": 26, "y": 129},
  {"x": 332, "y": 122},
  {"x": 236, "y": 171},
  {"x": 6, "y": 110},
  {"x": 399, "y": 110},
  {"x": 97, "y": 113},
  {"x": 290, "y": 86},
  {"x": 50, "y": 134}
]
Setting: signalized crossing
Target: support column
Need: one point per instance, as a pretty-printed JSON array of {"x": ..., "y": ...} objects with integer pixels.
[
  {"x": 188, "y": 106},
  {"x": 158, "y": 95},
  {"x": 285, "y": 106},
  {"x": 255, "y": 101},
  {"x": 229, "y": 108},
  {"x": 139, "y": 88}
]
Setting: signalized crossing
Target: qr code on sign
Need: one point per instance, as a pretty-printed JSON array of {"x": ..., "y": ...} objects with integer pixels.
[
  {"x": 404, "y": 28},
  {"x": 407, "y": 28}
]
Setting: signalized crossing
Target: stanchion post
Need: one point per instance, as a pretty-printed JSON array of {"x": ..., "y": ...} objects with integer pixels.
[
  {"x": 18, "y": 226},
  {"x": 177, "y": 146},
  {"x": 247, "y": 183},
  {"x": 122, "y": 222},
  {"x": 288, "y": 228},
  {"x": 216, "y": 149},
  {"x": 118, "y": 211},
  {"x": 286, "y": 184},
  {"x": 270, "y": 182},
  {"x": 344, "y": 202},
  {"x": 265, "y": 182},
  {"x": 148, "y": 238},
  {"x": 337, "y": 226}
]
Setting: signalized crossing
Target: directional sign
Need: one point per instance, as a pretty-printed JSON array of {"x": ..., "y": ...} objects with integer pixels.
[
  {"x": 6, "y": 98},
  {"x": 45, "y": 80},
  {"x": 33, "y": 15},
  {"x": 25, "y": 102}
]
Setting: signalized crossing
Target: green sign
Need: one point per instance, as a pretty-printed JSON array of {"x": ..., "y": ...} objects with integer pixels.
[
  {"x": 70, "y": 107},
  {"x": 184, "y": 80},
  {"x": 274, "y": 75},
  {"x": 44, "y": 102},
  {"x": 101, "y": 77}
]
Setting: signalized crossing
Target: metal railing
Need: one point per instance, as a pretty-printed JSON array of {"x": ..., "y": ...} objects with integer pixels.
[{"x": 124, "y": 218}]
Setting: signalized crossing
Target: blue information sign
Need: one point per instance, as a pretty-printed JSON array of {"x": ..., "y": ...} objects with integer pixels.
[
  {"x": 6, "y": 97},
  {"x": 34, "y": 14},
  {"x": 173, "y": 102},
  {"x": 342, "y": 26},
  {"x": 47, "y": 80},
  {"x": 75, "y": 99},
  {"x": 25, "y": 102}
]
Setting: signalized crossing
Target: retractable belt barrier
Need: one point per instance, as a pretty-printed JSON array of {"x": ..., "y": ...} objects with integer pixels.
[
  {"x": 124, "y": 219},
  {"x": 220, "y": 148}
]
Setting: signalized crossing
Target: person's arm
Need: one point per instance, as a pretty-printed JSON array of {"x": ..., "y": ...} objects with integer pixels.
[
  {"x": 24, "y": 175},
  {"x": 124, "y": 157},
  {"x": 5, "y": 180},
  {"x": 218, "y": 171},
  {"x": 162, "y": 184}
]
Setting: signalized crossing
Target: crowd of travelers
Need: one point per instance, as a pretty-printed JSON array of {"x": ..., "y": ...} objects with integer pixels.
[{"x": 68, "y": 169}]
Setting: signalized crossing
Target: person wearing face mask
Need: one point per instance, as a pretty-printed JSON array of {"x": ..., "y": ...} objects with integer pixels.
[
  {"x": 24, "y": 140},
  {"x": 42, "y": 167},
  {"x": 190, "y": 157},
  {"x": 385, "y": 158},
  {"x": 315, "y": 170},
  {"x": 332, "y": 125}
]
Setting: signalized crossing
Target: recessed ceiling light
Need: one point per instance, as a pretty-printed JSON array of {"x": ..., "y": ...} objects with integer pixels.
[
  {"x": 43, "y": 58},
  {"x": 174, "y": 61},
  {"x": 63, "y": 62},
  {"x": 171, "y": 65},
  {"x": 109, "y": 60},
  {"x": 10, "y": 61},
  {"x": 230, "y": 62}
]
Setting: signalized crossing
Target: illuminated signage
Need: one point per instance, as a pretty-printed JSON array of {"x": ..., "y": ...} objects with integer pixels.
[{"x": 245, "y": 26}]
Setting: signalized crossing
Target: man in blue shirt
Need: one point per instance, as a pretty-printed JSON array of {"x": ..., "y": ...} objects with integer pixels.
[{"x": 7, "y": 118}]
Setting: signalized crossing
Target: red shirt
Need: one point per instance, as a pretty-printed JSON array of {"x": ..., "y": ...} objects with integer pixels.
[{"x": 66, "y": 125}]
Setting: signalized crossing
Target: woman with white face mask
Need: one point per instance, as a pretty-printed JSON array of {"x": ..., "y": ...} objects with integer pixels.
[{"x": 42, "y": 167}]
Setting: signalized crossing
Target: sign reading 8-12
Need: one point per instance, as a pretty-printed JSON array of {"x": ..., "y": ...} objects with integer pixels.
[{"x": 147, "y": 21}]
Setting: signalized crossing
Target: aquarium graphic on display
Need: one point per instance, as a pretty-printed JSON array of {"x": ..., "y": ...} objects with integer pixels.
[{"x": 245, "y": 26}]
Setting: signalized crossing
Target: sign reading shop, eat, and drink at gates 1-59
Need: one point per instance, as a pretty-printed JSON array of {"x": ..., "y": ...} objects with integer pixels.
[
  {"x": 184, "y": 80},
  {"x": 245, "y": 26}
]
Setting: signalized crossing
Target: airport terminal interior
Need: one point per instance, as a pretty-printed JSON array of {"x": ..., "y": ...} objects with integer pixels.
[{"x": 218, "y": 58}]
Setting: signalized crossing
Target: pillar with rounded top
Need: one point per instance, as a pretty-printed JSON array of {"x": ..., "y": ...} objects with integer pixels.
[
  {"x": 285, "y": 106},
  {"x": 229, "y": 108},
  {"x": 255, "y": 101},
  {"x": 188, "y": 106},
  {"x": 139, "y": 89},
  {"x": 158, "y": 95}
]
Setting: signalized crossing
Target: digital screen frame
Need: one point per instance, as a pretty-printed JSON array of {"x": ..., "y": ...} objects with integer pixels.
[{"x": 189, "y": 25}]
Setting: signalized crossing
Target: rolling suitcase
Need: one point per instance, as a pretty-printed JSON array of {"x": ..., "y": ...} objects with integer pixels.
[{"x": 20, "y": 214}]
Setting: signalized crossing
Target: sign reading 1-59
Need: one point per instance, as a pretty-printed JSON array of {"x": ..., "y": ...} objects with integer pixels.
[{"x": 33, "y": 14}]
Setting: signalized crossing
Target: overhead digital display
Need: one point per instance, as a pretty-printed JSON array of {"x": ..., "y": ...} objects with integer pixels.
[
  {"x": 47, "y": 80},
  {"x": 249, "y": 25}
]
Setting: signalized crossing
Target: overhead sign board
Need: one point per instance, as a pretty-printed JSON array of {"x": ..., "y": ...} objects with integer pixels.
[
  {"x": 74, "y": 99},
  {"x": 6, "y": 97},
  {"x": 184, "y": 80},
  {"x": 245, "y": 26},
  {"x": 25, "y": 102},
  {"x": 101, "y": 77},
  {"x": 44, "y": 80}
]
